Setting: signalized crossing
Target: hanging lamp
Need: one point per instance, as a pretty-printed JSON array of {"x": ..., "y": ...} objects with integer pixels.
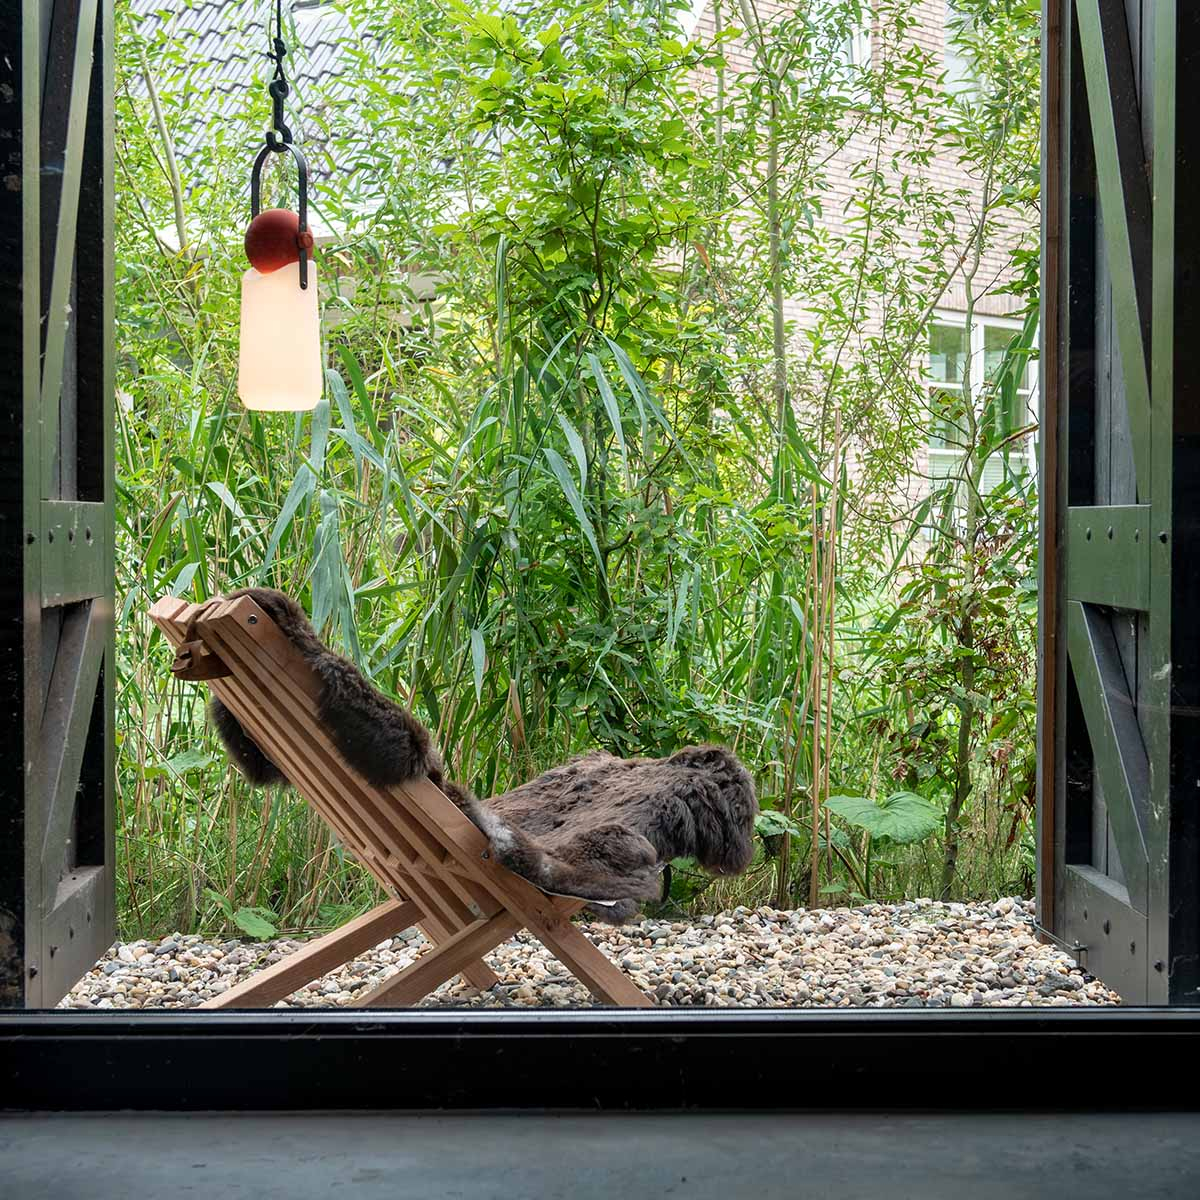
[{"x": 279, "y": 353}]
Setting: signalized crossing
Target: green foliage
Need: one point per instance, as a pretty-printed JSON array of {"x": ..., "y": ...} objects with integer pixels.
[
  {"x": 255, "y": 922},
  {"x": 573, "y": 500}
]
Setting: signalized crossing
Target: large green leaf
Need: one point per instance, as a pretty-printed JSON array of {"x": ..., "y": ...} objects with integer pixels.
[
  {"x": 478, "y": 660},
  {"x": 903, "y": 817},
  {"x": 255, "y": 922},
  {"x": 191, "y": 759},
  {"x": 571, "y": 492},
  {"x": 614, "y": 414}
]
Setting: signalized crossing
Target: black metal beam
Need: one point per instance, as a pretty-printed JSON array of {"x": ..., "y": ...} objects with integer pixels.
[
  {"x": 597, "y": 1060},
  {"x": 1050, "y": 562},
  {"x": 1176, "y": 470},
  {"x": 19, "y": 347}
]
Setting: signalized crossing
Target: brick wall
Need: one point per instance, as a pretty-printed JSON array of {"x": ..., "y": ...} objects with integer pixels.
[
  {"x": 960, "y": 190},
  {"x": 929, "y": 34}
]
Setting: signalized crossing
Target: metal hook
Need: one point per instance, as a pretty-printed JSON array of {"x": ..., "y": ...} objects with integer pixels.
[
  {"x": 279, "y": 139},
  {"x": 279, "y": 135}
]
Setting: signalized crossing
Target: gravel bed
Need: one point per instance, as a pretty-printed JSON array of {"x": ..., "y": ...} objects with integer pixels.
[{"x": 920, "y": 954}]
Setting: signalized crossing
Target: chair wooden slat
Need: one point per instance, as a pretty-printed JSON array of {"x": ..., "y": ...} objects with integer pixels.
[
  {"x": 323, "y": 766},
  {"x": 319, "y": 957},
  {"x": 306, "y": 770},
  {"x": 441, "y": 917},
  {"x": 264, "y": 635},
  {"x": 434, "y": 967}
]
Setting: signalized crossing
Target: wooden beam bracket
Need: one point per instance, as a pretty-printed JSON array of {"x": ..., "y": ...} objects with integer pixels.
[{"x": 1108, "y": 556}]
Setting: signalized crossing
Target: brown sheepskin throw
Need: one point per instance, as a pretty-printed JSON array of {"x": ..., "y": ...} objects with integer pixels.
[
  {"x": 603, "y": 827},
  {"x": 600, "y": 827}
]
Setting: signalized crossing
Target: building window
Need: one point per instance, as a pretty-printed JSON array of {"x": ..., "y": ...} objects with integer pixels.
[
  {"x": 961, "y": 77},
  {"x": 854, "y": 48},
  {"x": 966, "y": 362}
]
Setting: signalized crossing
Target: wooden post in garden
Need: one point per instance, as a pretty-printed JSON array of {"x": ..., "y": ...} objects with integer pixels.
[
  {"x": 1119, "y": 685},
  {"x": 56, "y": 439}
]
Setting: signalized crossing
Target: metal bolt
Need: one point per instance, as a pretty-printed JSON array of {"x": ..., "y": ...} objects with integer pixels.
[
  {"x": 50, "y": 535},
  {"x": 53, "y": 951},
  {"x": 1108, "y": 927},
  {"x": 1110, "y": 533},
  {"x": 87, "y": 533},
  {"x": 1158, "y": 966},
  {"x": 33, "y": 972},
  {"x": 1088, "y": 535},
  {"x": 251, "y": 620},
  {"x": 70, "y": 535},
  {"x": 1162, "y": 536},
  {"x": 485, "y": 854},
  {"x": 1137, "y": 535},
  {"x": 30, "y": 538}
]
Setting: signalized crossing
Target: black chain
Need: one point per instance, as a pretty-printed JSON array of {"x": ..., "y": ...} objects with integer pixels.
[
  {"x": 280, "y": 135},
  {"x": 279, "y": 139}
]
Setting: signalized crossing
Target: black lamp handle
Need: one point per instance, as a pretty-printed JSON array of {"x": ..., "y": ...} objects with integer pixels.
[{"x": 302, "y": 177}]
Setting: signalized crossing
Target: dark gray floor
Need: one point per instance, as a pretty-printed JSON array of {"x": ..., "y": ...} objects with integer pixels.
[{"x": 523, "y": 1157}]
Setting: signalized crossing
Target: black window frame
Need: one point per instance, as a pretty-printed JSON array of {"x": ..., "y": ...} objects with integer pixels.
[
  {"x": 608, "y": 1059},
  {"x": 602, "y": 1060}
]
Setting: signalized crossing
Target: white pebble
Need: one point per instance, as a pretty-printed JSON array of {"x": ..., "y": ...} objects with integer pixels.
[{"x": 914, "y": 954}]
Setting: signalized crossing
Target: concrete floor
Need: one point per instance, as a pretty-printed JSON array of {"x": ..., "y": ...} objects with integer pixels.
[{"x": 601, "y": 1157}]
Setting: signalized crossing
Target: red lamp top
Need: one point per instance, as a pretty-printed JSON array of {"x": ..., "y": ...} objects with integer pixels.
[{"x": 273, "y": 240}]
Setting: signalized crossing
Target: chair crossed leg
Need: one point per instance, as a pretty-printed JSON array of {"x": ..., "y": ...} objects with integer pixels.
[
  {"x": 460, "y": 954},
  {"x": 327, "y": 953}
]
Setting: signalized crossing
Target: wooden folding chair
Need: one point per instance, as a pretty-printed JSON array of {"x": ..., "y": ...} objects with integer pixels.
[{"x": 429, "y": 857}]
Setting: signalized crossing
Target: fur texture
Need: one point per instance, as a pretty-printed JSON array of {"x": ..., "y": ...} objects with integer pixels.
[
  {"x": 600, "y": 828},
  {"x": 383, "y": 742},
  {"x": 244, "y": 751}
]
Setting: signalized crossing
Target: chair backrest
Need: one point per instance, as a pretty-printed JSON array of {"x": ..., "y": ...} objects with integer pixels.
[
  {"x": 273, "y": 693},
  {"x": 411, "y": 837}
]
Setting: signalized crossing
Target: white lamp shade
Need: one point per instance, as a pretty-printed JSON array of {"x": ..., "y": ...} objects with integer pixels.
[{"x": 279, "y": 359}]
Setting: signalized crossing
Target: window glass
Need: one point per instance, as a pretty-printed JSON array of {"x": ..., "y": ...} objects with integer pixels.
[
  {"x": 960, "y": 69},
  {"x": 854, "y": 50},
  {"x": 947, "y": 426},
  {"x": 996, "y": 341},
  {"x": 975, "y": 358},
  {"x": 947, "y": 353}
]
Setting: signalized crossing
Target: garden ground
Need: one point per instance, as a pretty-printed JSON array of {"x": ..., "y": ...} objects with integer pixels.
[{"x": 919, "y": 954}]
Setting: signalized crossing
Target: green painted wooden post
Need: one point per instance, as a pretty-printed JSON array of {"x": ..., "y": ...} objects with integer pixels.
[
  {"x": 1119, "y": 784},
  {"x": 57, "y": 910}
]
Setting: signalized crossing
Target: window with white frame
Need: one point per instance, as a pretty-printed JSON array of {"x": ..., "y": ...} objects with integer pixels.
[
  {"x": 854, "y": 49},
  {"x": 961, "y": 77},
  {"x": 967, "y": 361}
]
